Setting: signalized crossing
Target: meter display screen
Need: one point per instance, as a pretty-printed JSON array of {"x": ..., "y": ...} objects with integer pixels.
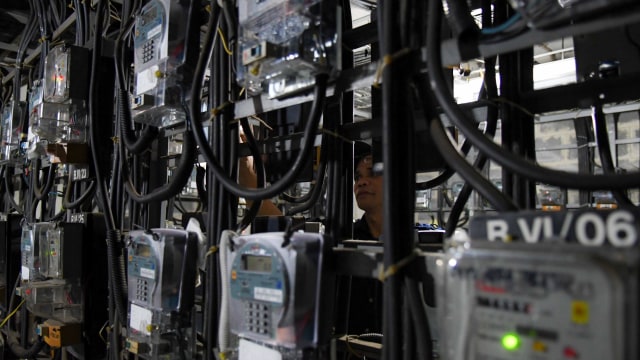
[
  {"x": 256, "y": 263},
  {"x": 143, "y": 250}
]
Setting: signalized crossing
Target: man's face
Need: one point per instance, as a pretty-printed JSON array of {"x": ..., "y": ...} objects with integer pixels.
[{"x": 367, "y": 186}]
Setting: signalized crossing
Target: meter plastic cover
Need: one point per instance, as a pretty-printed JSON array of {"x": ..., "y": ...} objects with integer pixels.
[{"x": 538, "y": 302}]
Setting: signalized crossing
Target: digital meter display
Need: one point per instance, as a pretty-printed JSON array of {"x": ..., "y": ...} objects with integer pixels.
[
  {"x": 256, "y": 263},
  {"x": 143, "y": 250}
]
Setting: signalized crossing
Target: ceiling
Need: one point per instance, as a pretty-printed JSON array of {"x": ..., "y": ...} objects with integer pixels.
[{"x": 13, "y": 17}]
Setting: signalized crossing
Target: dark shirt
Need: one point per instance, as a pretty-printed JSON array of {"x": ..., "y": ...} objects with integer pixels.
[
  {"x": 365, "y": 294},
  {"x": 361, "y": 230}
]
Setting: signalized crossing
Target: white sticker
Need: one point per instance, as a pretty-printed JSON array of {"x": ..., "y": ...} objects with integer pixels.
[
  {"x": 25, "y": 273},
  {"x": 148, "y": 273},
  {"x": 146, "y": 80},
  {"x": 268, "y": 294},
  {"x": 153, "y": 32},
  {"x": 27, "y": 248},
  {"x": 140, "y": 319}
]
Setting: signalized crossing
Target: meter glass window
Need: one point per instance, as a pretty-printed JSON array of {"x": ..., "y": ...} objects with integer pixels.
[{"x": 256, "y": 263}]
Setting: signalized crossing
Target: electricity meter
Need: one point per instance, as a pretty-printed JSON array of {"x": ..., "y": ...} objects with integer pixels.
[
  {"x": 33, "y": 235},
  {"x": 275, "y": 287},
  {"x": 11, "y": 131},
  {"x": 65, "y": 74},
  {"x": 161, "y": 272},
  {"x": 161, "y": 47},
  {"x": 283, "y": 44},
  {"x": 538, "y": 301},
  {"x": 51, "y": 272}
]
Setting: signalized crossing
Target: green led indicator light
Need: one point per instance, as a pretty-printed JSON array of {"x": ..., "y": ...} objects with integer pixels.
[{"x": 510, "y": 341}]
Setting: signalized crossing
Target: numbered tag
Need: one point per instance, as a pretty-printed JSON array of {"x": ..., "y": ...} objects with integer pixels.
[{"x": 617, "y": 228}]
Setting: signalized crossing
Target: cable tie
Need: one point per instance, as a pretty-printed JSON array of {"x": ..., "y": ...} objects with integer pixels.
[
  {"x": 212, "y": 250},
  {"x": 393, "y": 269},
  {"x": 387, "y": 60},
  {"x": 218, "y": 110}
]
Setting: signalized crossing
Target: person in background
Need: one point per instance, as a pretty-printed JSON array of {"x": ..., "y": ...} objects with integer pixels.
[{"x": 367, "y": 188}]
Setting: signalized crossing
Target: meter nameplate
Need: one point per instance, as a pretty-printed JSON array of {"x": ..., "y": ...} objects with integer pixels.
[{"x": 588, "y": 227}]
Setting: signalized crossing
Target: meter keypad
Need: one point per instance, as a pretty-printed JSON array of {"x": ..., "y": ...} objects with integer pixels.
[
  {"x": 147, "y": 51},
  {"x": 257, "y": 318},
  {"x": 142, "y": 289}
]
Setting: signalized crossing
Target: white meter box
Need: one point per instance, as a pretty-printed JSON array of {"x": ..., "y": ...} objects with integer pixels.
[
  {"x": 275, "y": 285},
  {"x": 522, "y": 301}
]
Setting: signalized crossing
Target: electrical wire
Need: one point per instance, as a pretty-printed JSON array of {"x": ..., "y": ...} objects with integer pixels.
[
  {"x": 70, "y": 204},
  {"x": 604, "y": 149},
  {"x": 502, "y": 27},
  {"x": 314, "y": 194},
  {"x": 513, "y": 163},
  {"x": 230, "y": 184},
  {"x": 260, "y": 176}
]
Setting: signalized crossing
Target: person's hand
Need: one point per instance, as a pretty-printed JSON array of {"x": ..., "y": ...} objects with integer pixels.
[{"x": 248, "y": 178}]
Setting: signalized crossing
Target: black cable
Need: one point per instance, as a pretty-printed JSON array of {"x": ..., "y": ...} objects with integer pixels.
[
  {"x": 198, "y": 132},
  {"x": 513, "y": 163},
  {"x": 201, "y": 174},
  {"x": 134, "y": 144},
  {"x": 483, "y": 186},
  {"x": 12, "y": 339},
  {"x": 251, "y": 214},
  {"x": 9, "y": 191},
  {"x": 408, "y": 331},
  {"x": 70, "y": 204},
  {"x": 103, "y": 199},
  {"x": 459, "y": 18},
  {"x": 181, "y": 174},
  {"x": 420, "y": 320},
  {"x": 490, "y": 91},
  {"x": 604, "y": 149},
  {"x": 314, "y": 194},
  {"x": 42, "y": 191}
]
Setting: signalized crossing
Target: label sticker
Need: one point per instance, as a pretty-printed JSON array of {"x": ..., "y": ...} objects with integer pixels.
[{"x": 140, "y": 319}]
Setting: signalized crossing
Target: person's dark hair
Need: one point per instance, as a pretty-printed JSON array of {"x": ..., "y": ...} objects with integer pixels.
[{"x": 360, "y": 151}]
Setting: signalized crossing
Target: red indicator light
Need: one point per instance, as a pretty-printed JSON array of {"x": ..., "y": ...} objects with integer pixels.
[{"x": 570, "y": 353}]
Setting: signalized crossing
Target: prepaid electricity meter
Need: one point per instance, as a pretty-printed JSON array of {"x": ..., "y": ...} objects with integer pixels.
[
  {"x": 275, "y": 283},
  {"x": 537, "y": 302},
  {"x": 162, "y": 277},
  {"x": 161, "y": 47},
  {"x": 11, "y": 132}
]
